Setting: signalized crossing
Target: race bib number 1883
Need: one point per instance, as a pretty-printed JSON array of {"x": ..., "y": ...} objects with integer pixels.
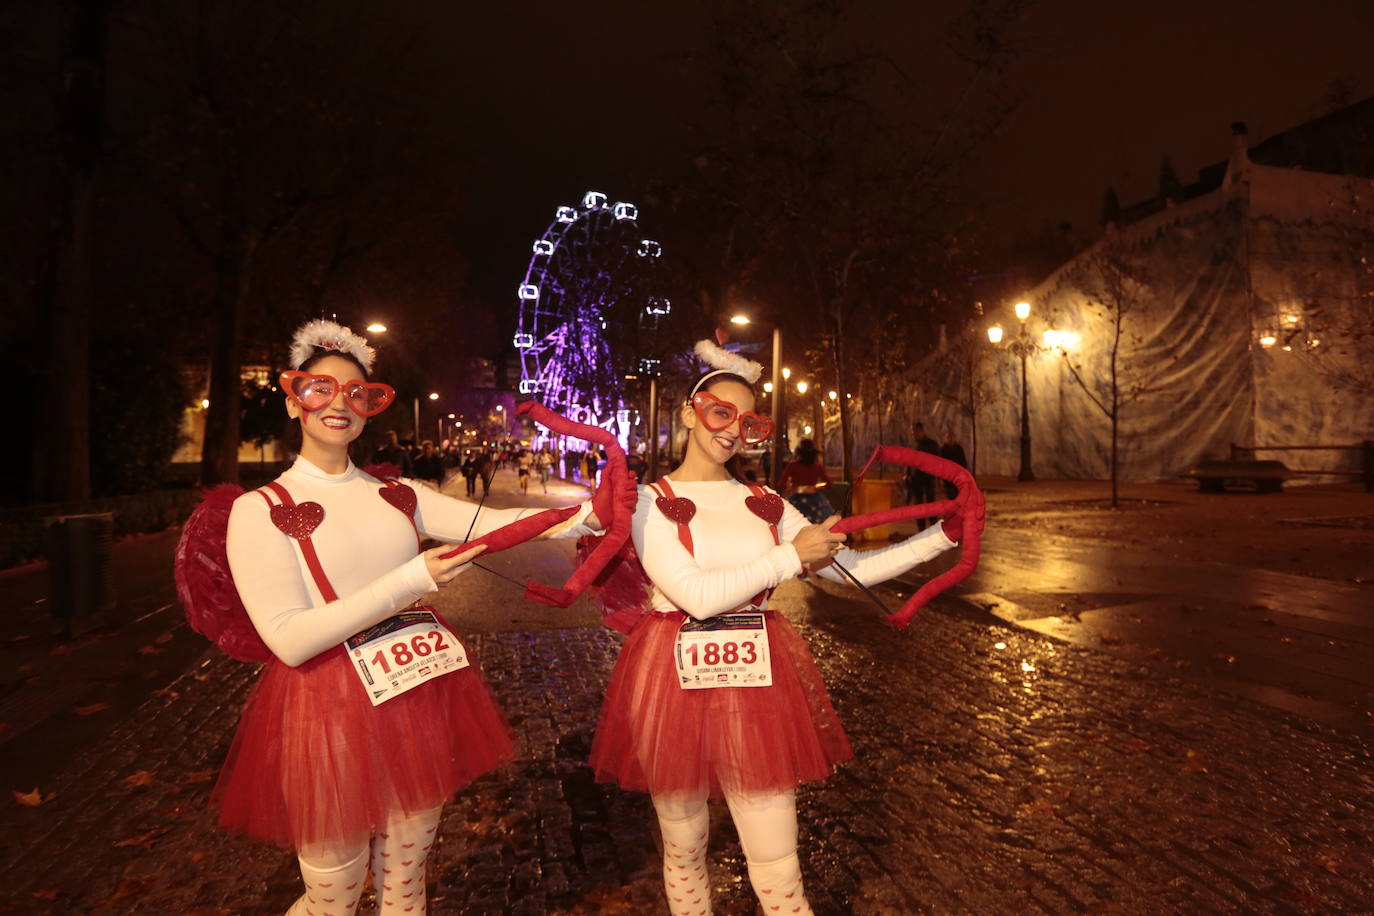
[
  {"x": 403, "y": 652},
  {"x": 726, "y": 651}
]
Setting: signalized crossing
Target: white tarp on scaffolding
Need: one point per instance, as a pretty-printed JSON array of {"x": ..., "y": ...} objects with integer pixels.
[{"x": 1246, "y": 317}]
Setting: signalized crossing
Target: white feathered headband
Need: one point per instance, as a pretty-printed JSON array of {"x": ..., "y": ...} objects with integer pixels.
[
  {"x": 323, "y": 334},
  {"x": 724, "y": 363}
]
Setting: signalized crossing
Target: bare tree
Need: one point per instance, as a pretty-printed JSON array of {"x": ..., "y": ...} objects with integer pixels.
[{"x": 1117, "y": 296}]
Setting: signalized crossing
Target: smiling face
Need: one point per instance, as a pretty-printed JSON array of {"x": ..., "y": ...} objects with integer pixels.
[
  {"x": 721, "y": 445},
  {"x": 332, "y": 428}
]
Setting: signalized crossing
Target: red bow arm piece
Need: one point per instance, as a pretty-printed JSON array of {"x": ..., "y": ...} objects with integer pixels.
[
  {"x": 968, "y": 505},
  {"x": 516, "y": 532},
  {"x": 613, "y": 502}
]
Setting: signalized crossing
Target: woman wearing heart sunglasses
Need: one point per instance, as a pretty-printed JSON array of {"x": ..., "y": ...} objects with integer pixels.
[
  {"x": 713, "y": 693},
  {"x": 332, "y": 757}
]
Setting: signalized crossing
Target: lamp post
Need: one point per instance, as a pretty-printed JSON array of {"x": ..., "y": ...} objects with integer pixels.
[
  {"x": 779, "y": 416},
  {"x": 1023, "y": 346}
]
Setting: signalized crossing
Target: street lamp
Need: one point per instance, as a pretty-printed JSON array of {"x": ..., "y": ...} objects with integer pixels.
[
  {"x": 1021, "y": 346},
  {"x": 775, "y": 387}
]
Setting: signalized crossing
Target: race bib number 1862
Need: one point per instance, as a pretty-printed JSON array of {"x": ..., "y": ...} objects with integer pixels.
[
  {"x": 403, "y": 652},
  {"x": 726, "y": 651}
]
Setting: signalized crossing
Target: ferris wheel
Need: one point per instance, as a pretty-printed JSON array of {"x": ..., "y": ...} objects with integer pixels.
[{"x": 585, "y": 301}]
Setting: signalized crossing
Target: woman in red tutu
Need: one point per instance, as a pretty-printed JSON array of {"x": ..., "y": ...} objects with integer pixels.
[
  {"x": 370, "y": 715},
  {"x": 714, "y": 694}
]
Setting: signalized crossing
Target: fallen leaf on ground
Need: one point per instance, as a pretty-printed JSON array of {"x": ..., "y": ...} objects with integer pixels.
[
  {"x": 201, "y": 775},
  {"x": 199, "y": 857},
  {"x": 1330, "y": 863},
  {"x": 1224, "y": 657},
  {"x": 167, "y": 692},
  {"x": 49, "y": 895},
  {"x": 1192, "y": 763},
  {"x": 131, "y": 887},
  {"x": 62, "y": 648},
  {"x": 33, "y": 799},
  {"x": 146, "y": 840},
  {"x": 91, "y": 709},
  {"x": 140, "y": 778},
  {"x": 164, "y": 639},
  {"x": 149, "y": 650}
]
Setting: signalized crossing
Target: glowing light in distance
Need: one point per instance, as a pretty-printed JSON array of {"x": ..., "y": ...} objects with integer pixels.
[
  {"x": 739, "y": 319},
  {"x": 1023, "y": 310},
  {"x": 500, "y": 407},
  {"x": 434, "y": 395},
  {"x": 524, "y": 341},
  {"x": 1052, "y": 337},
  {"x": 623, "y": 210},
  {"x": 802, "y": 387},
  {"x": 806, "y": 430},
  {"x": 204, "y": 402},
  {"x": 1312, "y": 342},
  {"x": 833, "y": 395},
  {"x": 768, "y": 387},
  {"x": 593, "y": 200},
  {"x": 376, "y": 327},
  {"x": 1027, "y": 667},
  {"x": 995, "y": 333},
  {"x": 529, "y": 291},
  {"x": 544, "y": 247},
  {"x": 999, "y": 645},
  {"x": 1268, "y": 340},
  {"x": 565, "y": 214},
  {"x": 786, "y": 373},
  {"x": 451, "y": 416},
  {"x": 1290, "y": 319}
]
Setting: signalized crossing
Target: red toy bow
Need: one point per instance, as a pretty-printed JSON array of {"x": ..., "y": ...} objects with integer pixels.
[
  {"x": 613, "y": 502},
  {"x": 968, "y": 505}
]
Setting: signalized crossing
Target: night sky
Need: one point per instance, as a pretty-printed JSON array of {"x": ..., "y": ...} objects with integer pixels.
[{"x": 572, "y": 96}]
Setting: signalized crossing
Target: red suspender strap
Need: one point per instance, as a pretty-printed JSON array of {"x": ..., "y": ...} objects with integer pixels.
[
  {"x": 312, "y": 559},
  {"x": 684, "y": 533}
]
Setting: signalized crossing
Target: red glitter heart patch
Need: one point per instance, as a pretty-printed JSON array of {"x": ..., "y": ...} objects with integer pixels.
[
  {"x": 767, "y": 507},
  {"x": 298, "y": 521},
  {"x": 400, "y": 496},
  {"x": 680, "y": 509}
]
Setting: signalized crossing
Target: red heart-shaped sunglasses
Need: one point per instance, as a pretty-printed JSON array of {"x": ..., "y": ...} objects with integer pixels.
[
  {"x": 314, "y": 391},
  {"x": 717, "y": 414}
]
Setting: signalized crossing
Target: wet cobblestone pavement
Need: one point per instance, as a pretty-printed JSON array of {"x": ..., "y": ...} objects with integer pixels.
[{"x": 997, "y": 770}]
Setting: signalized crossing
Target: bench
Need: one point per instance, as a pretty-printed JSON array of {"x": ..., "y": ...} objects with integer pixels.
[{"x": 1213, "y": 475}]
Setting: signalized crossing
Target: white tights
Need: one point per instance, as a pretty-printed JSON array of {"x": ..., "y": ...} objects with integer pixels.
[
  {"x": 334, "y": 875},
  {"x": 767, "y": 827}
]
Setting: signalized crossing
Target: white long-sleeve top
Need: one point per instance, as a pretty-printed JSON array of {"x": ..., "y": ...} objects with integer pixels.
[
  {"x": 366, "y": 546},
  {"x": 735, "y": 557}
]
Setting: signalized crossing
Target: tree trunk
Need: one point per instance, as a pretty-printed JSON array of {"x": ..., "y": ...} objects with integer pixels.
[
  {"x": 219, "y": 453},
  {"x": 62, "y": 465}
]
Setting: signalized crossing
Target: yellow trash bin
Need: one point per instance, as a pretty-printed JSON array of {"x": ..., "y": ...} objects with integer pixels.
[{"x": 873, "y": 496}]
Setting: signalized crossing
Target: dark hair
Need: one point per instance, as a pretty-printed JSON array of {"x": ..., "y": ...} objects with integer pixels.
[
  {"x": 294, "y": 438},
  {"x": 735, "y": 465},
  {"x": 807, "y": 451}
]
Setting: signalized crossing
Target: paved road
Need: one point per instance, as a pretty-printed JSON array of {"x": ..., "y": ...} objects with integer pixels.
[{"x": 999, "y": 769}]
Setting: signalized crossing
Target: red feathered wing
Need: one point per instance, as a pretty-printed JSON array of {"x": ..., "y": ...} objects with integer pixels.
[{"x": 204, "y": 583}]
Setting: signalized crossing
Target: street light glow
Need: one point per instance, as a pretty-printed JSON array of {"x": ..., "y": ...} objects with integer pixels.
[
  {"x": 1051, "y": 337},
  {"x": 802, "y": 387},
  {"x": 500, "y": 407},
  {"x": 204, "y": 402},
  {"x": 739, "y": 319},
  {"x": 434, "y": 395},
  {"x": 786, "y": 373},
  {"x": 376, "y": 327},
  {"x": 451, "y": 416},
  {"x": 995, "y": 333},
  {"x": 768, "y": 387},
  {"x": 833, "y": 395},
  {"x": 1023, "y": 310},
  {"x": 1268, "y": 340}
]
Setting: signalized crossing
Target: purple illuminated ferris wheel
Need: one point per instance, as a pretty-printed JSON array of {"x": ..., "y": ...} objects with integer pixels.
[{"x": 586, "y": 299}]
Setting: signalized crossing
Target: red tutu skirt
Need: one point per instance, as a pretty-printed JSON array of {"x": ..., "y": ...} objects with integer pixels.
[
  {"x": 315, "y": 762},
  {"x": 655, "y": 736}
]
